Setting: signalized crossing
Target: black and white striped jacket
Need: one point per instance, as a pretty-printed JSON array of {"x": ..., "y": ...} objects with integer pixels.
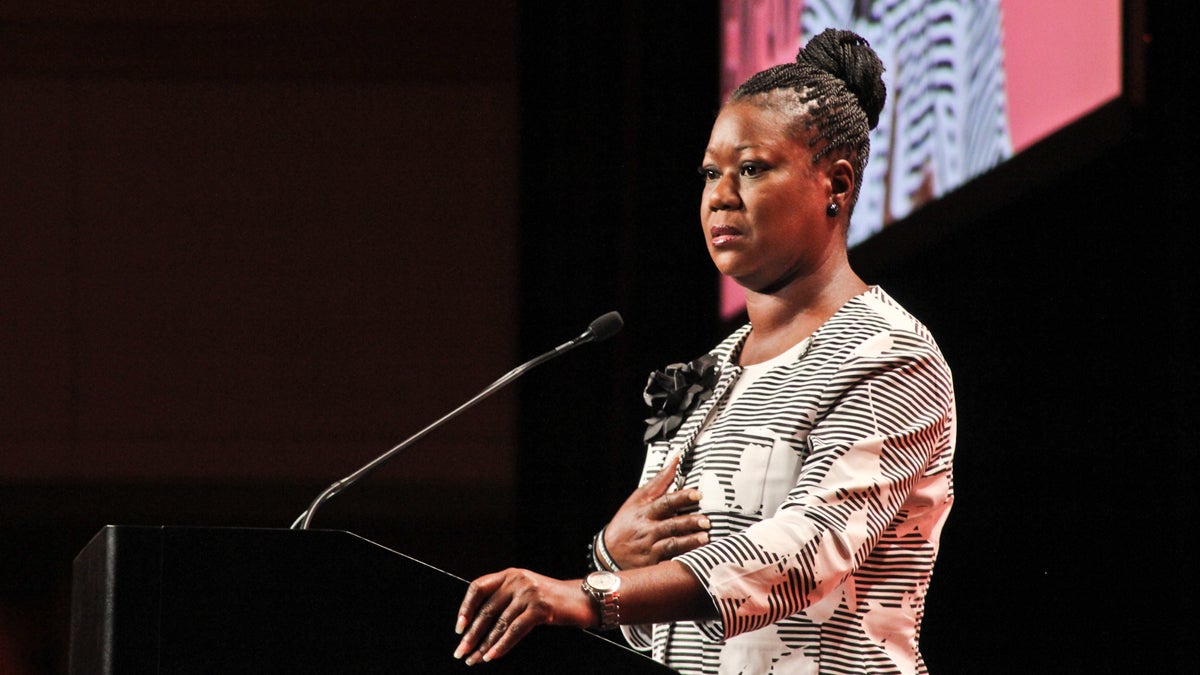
[{"x": 827, "y": 480}]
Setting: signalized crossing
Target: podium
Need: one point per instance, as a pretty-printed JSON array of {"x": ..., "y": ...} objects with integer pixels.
[{"x": 242, "y": 600}]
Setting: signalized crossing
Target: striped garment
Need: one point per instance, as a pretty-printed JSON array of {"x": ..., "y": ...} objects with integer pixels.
[{"x": 827, "y": 480}]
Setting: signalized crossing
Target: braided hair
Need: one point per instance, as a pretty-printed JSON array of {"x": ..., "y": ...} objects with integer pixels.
[{"x": 834, "y": 89}]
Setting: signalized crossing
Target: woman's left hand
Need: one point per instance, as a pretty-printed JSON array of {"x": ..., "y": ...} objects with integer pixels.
[{"x": 499, "y": 609}]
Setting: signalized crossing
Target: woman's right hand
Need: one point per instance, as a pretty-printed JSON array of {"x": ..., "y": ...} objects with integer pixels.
[{"x": 648, "y": 529}]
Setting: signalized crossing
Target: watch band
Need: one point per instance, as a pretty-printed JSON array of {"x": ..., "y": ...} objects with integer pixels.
[{"x": 604, "y": 587}]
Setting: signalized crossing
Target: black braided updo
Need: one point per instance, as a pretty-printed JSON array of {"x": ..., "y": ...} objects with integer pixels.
[{"x": 838, "y": 92}]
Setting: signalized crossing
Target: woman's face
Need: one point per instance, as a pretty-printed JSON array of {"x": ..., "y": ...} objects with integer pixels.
[{"x": 764, "y": 201}]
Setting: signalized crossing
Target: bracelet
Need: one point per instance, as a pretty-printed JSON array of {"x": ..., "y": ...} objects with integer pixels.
[{"x": 602, "y": 554}]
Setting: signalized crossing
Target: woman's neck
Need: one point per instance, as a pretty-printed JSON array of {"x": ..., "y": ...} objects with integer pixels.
[{"x": 785, "y": 316}]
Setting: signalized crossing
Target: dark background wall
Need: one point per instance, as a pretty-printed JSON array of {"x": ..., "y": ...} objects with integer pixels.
[
  {"x": 246, "y": 247},
  {"x": 246, "y": 250}
]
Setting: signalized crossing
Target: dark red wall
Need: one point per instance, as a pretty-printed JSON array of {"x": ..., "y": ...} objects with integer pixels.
[{"x": 244, "y": 248}]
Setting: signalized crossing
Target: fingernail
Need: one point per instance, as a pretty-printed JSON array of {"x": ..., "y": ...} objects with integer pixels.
[
  {"x": 697, "y": 495},
  {"x": 460, "y": 625},
  {"x": 490, "y": 655},
  {"x": 460, "y": 649},
  {"x": 703, "y": 537},
  {"x": 705, "y": 524}
]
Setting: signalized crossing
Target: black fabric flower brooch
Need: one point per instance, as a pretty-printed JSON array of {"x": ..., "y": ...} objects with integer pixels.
[{"x": 675, "y": 391}]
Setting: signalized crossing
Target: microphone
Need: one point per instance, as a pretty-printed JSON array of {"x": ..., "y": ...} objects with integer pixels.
[{"x": 602, "y": 328}]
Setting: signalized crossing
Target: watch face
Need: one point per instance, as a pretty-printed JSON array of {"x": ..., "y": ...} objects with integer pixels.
[{"x": 603, "y": 581}]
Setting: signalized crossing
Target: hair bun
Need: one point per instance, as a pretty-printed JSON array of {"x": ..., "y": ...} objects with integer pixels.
[{"x": 849, "y": 57}]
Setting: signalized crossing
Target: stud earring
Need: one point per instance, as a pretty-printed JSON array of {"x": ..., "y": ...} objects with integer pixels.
[{"x": 832, "y": 210}]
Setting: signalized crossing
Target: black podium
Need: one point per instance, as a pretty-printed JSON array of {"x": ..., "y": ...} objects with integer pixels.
[{"x": 232, "y": 600}]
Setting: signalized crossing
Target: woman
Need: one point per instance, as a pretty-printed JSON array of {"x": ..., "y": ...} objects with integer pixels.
[{"x": 797, "y": 477}]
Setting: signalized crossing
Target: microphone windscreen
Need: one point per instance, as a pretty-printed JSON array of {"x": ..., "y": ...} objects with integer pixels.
[{"x": 606, "y": 326}]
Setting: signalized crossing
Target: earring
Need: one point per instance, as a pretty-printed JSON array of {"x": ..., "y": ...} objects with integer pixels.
[{"x": 832, "y": 210}]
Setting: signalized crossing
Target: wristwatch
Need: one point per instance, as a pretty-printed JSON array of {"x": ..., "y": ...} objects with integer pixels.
[{"x": 603, "y": 586}]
